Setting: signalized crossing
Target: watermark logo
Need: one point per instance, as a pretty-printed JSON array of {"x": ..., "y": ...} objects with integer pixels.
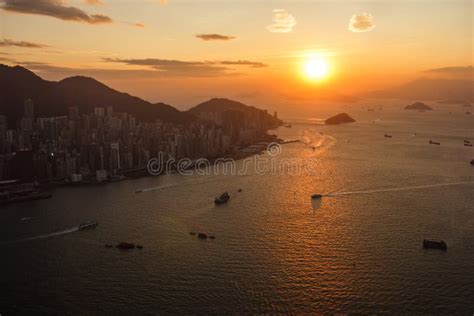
[{"x": 258, "y": 164}]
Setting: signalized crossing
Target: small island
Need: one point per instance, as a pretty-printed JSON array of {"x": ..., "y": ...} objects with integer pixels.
[
  {"x": 418, "y": 106},
  {"x": 341, "y": 118}
]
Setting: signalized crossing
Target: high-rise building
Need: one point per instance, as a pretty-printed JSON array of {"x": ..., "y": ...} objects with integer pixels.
[
  {"x": 73, "y": 113},
  {"x": 29, "y": 109},
  {"x": 110, "y": 111},
  {"x": 99, "y": 111}
]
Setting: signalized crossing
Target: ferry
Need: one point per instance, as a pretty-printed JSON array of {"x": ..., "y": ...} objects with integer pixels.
[
  {"x": 222, "y": 199},
  {"x": 88, "y": 225},
  {"x": 316, "y": 196},
  {"x": 433, "y": 244}
]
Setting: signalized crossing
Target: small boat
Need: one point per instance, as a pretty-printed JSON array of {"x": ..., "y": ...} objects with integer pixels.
[
  {"x": 202, "y": 236},
  {"x": 468, "y": 113},
  {"x": 125, "y": 245},
  {"x": 192, "y": 233},
  {"x": 316, "y": 196},
  {"x": 434, "y": 143},
  {"x": 468, "y": 144},
  {"x": 212, "y": 237},
  {"x": 108, "y": 246},
  {"x": 222, "y": 199},
  {"x": 139, "y": 247},
  {"x": 370, "y": 110},
  {"x": 139, "y": 191},
  {"x": 472, "y": 162},
  {"x": 88, "y": 225},
  {"x": 467, "y": 141},
  {"x": 433, "y": 244},
  {"x": 387, "y": 136},
  {"x": 239, "y": 190}
]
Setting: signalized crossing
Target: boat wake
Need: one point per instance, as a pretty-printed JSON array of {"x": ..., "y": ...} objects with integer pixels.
[
  {"x": 407, "y": 188},
  {"x": 58, "y": 233},
  {"x": 321, "y": 142}
]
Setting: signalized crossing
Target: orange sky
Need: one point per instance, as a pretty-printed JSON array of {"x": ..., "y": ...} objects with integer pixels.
[{"x": 182, "y": 52}]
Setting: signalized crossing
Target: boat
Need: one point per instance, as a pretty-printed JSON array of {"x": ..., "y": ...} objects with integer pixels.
[
  {"x": 222, "y": 199},
  {"x": 139, "y": 191},
  {"x": 434, "y": 244},
  {"x": 434, "y": 143},
  {"x": 468, "y": 144},
  {"x": 472, "y": 162},
  {"x": 387, "y": 136},
  {"x": 202, "y": 236},
  {"x": 88, "y": 225},
  {"x": 316, "y": 196},
  {"x": 139, "y": 247},
  {"x": 239, "y": 190},
  {"x": 125, "y": 245},
  {"x": 467, "y": 141}
]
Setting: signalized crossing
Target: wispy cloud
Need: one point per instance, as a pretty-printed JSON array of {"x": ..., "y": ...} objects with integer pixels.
[
  {"x": 362, "y": 22},
  {"x": 215, "y": 37},
  {"x": 188, "y": 68},
  {"x": 452, "y": 70},
  {"x": 55, "y": 9},
  {"x": 283, "y": 22},
  {"x": 253, "y": 64},
  {"x": 460, "y": 72},
  {"x": 8, "y": 42}
]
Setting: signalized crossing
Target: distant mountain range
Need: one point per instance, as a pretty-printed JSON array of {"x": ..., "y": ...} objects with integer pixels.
[
  {"x": 51, "y": 98},
  {"x": 430, "y": 89}
]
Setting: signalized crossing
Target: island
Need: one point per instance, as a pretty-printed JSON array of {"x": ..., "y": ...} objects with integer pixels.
[
  {"x": 341, "y": 118},
  {"x": 418, "y": 106}
]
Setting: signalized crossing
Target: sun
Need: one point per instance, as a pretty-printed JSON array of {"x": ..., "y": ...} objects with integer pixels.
[{"x": 316, "y": 69}]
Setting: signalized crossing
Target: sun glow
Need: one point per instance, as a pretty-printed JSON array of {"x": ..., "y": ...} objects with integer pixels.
[{"x": 316, "y": 69}]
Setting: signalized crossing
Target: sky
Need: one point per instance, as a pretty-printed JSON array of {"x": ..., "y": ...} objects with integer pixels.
[{"x": 184, "y": 52}]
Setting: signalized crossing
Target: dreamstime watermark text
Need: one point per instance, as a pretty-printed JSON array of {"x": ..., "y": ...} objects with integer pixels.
[{"x": 272, "y": 163}]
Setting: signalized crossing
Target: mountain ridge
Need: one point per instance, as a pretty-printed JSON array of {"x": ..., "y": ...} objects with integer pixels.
[{"x": 52, "y": 98}]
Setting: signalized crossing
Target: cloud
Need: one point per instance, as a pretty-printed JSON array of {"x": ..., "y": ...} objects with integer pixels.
[
  {"x": 187, "y": 68},
  {"x": 175, "y": 67},
  {"x": 93, "y": 2},
  {"x": 215, "y": 37},
  {"x": 253, "y": 64},
  {"x": 460, "y": 72},
  {"x": 137, "y": 24},
  {"x": 8, "y": 42},
  {"x": 55, "y": 9},
  {"x": 467, "y": 70},
  {"x": 283, "y": 22},
  {"x": 362, "y": 22}
]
